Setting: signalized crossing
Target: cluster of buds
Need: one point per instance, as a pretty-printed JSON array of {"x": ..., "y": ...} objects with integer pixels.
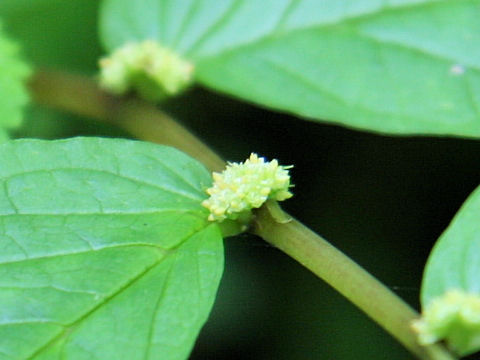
[
  {"x": 242, "y": 187},
  {"x": 13, "y": 76},
  {"x": 454, "y": 317},
  {"x": 147, "y": 67}
]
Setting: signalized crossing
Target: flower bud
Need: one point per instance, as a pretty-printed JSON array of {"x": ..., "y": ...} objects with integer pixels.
[
  {"x": 244, "y": 186},
  {"x": 148, "y": 68},
  {"x": 454, "y": 317}
]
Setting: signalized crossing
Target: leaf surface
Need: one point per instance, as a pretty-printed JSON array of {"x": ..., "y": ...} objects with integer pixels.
[
  {"x": 400, "y": 66},
  {"x": 105, "y": 250},
  {"x": 454, "y": 262}
]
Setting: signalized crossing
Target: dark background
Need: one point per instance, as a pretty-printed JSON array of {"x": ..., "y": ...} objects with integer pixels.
[{"x": 382, "y": 200}]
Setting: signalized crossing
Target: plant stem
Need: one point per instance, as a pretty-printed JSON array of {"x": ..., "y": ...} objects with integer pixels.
[
  {"x": 80, "y": 95},
  {"x": 343, "y": 274}
]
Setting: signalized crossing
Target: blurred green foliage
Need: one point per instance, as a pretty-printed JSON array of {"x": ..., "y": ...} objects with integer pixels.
[
  {"x": 13, "y": 93},
  {"x": 55, "y": 34}
]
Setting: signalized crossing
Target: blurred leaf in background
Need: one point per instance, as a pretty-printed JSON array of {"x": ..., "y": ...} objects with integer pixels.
[
  {"x": 406, "y": 67},
  {"x": 55, "y": 34}
]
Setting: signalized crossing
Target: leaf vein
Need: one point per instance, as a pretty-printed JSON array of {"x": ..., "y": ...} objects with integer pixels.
[
  {"x": 67, "y": 331},
  {"x": 155, "y": 312},
  {"x": 106, "y": 212},
  {"x": 91, "y": 311},
  {"x": 103, "y": 171},
  {"x": 334, "y": 23},
  {"x": 216, "y": 26},
  {"x": 50, "y": 256}
]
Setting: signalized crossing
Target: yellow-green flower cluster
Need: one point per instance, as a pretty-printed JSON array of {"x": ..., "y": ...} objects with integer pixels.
[
  {"x": 244, "y": 186},
  {"x": 13, "y": 92},
  {"x": 454, "y": 317},
  {"x": 146, "y": 67}
]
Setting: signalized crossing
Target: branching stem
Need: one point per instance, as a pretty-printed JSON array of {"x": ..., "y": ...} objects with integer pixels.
[{"x": 80, "y": 95}]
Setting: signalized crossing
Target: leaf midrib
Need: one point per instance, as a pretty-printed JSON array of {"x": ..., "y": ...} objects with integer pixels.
[{"x": 70, "y": 327}]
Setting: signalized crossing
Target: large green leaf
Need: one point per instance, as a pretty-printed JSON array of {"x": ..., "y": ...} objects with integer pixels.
[
  {"x": 404, "y": 66},
  {"x": 105, "y": 250},
  {"x": 13, "y": 95}
]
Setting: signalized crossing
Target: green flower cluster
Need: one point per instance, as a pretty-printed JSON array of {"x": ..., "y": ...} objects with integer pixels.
[
  {"x": 454, "y": 317},
  {"x": 242, "y": 187},
  {"x": 13, "y": 93},
  {"x": 148, "y": 68}
]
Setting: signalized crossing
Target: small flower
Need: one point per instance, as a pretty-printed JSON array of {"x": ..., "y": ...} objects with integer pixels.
[
  {"x": 454, "y": 317},
  {"x": 244, "y": 186},
  {"x": 146, "y": 67}
]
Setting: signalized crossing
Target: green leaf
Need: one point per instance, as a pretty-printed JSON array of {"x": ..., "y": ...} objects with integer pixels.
[
  {"x": 454, "y": 265},
  {"x": 455, "y": 259},
  {"x": 105, "y": 250},
  {"x": 13, "y": 95},
  {"x": 404, "y": 67}
]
